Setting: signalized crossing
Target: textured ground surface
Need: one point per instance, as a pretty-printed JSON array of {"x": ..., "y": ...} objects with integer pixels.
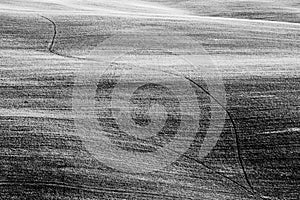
[{"x": 257, "y": 52}]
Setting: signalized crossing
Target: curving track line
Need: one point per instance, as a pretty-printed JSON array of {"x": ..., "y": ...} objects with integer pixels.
[{"x": 232, "y": 120}]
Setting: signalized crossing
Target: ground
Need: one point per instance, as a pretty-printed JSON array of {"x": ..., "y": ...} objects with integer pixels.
[{"x": 44, "y": 47}]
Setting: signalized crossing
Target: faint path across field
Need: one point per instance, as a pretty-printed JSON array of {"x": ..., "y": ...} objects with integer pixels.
[{"x": 259, "y": 60}]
